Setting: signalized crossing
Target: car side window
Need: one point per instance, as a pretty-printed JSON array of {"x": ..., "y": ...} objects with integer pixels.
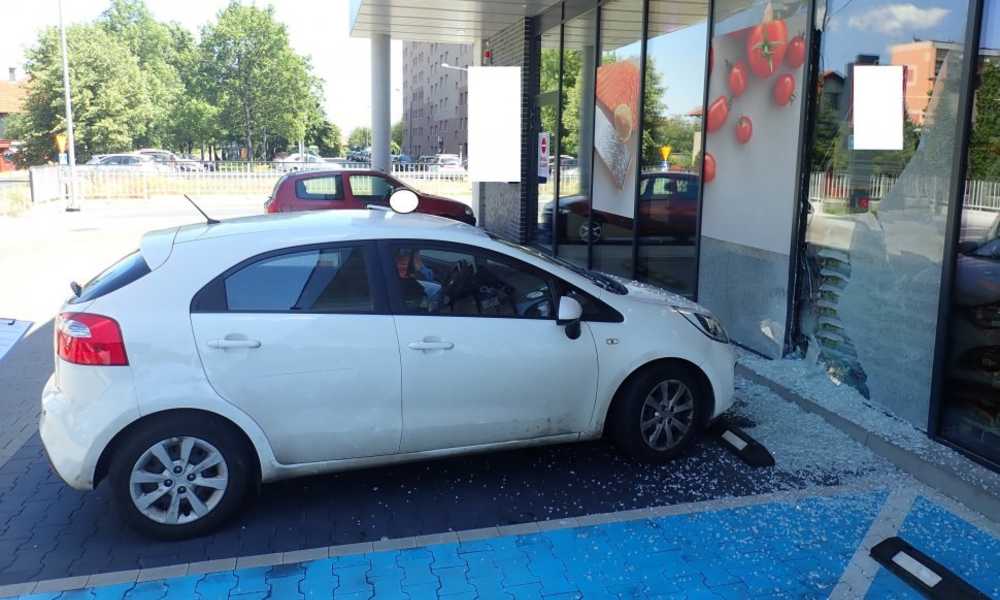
[
  {"x": 319, "y": 188},
  {"x": 663, "y": 188},
  {"x": 371, "y": 188},
  {"x": 327, "y": 280},
  {"x": 466, "y": 282}
]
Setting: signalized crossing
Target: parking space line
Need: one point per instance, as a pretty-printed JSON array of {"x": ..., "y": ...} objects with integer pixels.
[{"x": 861, "y": 570}]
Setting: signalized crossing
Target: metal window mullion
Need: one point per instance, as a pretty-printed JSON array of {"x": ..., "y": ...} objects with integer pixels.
[
  {"x": 559, "y": 127},
  {"x": 593, "y": 148},
  {"x": 709, "y": 30},
  {"x": 642, "y": 128},
  {"x": 953, "y": 222}
]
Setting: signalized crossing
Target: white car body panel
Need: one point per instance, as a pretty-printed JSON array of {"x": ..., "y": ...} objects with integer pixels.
[
  {"x": 552, "y": 392},
  {"x": 521, "y": 368},
  {"x": 322, "y": 387}
]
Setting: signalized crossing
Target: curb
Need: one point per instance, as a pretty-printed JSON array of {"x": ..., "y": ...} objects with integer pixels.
[{"x": 941, "y": 475}]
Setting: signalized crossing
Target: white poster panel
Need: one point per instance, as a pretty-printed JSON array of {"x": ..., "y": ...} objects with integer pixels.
[
  {"x": 878, "y": 107},
  {"x": 495, "y": 124}
]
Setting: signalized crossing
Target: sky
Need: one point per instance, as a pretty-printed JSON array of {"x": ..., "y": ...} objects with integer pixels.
[{"x": 317, "y": 28}]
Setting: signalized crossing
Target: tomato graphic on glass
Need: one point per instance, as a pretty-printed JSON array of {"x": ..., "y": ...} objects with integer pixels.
[
  {"x": 743, "y": 129},
  {"x": 709, "y": 167},
  {"x": 766, "y": 46},
  {"x": 795, "y": 54},
  {"x": 718, "y": 112},
  {"x": 737, "y": 80},
  {"x": 784, "y": 89}
]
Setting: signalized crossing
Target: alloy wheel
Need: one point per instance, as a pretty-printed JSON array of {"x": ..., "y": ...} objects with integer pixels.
[
  {"x": 178, "y": 480},
  {"x": 667, "y": 414}
]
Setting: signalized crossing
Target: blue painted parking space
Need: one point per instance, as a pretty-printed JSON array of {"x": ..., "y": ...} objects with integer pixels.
[
  {"x": 968, "y": 551},
  {"x": 796, "y": 549}
]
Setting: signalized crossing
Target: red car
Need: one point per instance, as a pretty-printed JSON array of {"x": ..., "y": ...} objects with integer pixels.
[{"x": 340, "y": 189}]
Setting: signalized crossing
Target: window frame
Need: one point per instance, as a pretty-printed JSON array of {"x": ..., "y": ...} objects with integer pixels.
[
  {"x": 212, "y": 299},
  {"x": 301, "y": 183},
  {"x": 387, "y": 250},
  {"x": 558, "y": 286},
  {"x": 394, "y": 183}
]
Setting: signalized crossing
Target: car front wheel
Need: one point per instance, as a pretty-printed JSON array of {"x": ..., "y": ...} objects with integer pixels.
[
  {"x": 180, "y": 477},
  {"x": 660, "y": 413}
]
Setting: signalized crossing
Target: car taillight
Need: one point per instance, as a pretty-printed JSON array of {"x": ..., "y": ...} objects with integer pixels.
[{"x": 87, "y": 339}]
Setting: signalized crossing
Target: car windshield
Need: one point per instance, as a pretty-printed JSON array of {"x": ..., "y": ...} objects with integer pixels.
[{"x": 599, "y": 279}]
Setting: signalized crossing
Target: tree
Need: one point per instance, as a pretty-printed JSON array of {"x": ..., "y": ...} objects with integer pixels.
[
  {"x": 326, "y": 137},
  {"x": 158, "y": 49},
  {"x": 360, "y": 138},
  {"x": 984, "y": 142},
  {"x": 264, "y": 90},
  {"x": 111, "y": 102},
  {"x": 396, "y": 135}
]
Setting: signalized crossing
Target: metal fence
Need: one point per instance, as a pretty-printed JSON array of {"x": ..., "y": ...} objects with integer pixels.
[
  {"x": 217, "y": 178},
  {"x": 979, "y": 194}
]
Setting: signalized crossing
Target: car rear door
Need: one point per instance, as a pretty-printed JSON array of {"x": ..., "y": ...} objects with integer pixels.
[
  {"x": 301, "y": 340},
  {"x": 483, "y": 360}
]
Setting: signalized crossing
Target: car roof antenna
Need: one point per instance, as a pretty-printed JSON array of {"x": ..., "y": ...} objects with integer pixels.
[{"x": 208, "y": 219}]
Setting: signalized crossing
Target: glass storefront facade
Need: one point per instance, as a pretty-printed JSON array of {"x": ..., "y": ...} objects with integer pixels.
[{"x": 724, "y": 150}]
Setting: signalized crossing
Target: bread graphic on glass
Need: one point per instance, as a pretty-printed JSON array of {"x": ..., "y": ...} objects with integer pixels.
[{"x": 616, "y": 125}]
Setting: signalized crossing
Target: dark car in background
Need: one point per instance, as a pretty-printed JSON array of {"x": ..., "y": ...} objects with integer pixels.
[
  {"x": 354, "y": 188},
  {"x": 668, "y": 207}
]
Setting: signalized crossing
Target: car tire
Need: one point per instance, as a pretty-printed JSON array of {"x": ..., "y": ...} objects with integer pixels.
[
  {"x": 135, "y": 476},
  {"x": 659, "y": 413}
]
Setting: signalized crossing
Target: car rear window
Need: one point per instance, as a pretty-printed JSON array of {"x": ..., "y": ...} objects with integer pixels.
[{"x": 117, "y": 276}]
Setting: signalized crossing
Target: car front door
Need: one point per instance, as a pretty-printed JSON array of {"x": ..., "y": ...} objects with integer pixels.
[
  {"x": 483, "y": 360},
  {"x": 302, "y": 341}
]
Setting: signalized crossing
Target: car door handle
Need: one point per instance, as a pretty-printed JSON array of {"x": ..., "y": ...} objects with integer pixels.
[
  {"x": 225, "y": 344},
  {"x": 426, "y": 345}
]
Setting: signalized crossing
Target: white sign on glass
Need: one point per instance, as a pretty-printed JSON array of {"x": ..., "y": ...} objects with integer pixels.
[
  {"x": 494, "y": 124},
  {"x": 878, "y": 107},
  {"x": 543, "y": 156}
]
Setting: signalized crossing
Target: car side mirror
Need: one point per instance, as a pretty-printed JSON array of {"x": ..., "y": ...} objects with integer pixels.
[{"x": 569, "y": 316}]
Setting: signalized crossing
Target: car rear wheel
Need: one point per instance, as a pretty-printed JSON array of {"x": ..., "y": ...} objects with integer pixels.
[
  {"x": 660, "y": 413},
  {"x": 180, "y": 477}
]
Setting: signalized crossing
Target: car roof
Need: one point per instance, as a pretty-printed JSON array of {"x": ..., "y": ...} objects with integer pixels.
[{"x": 312, "y": 227}]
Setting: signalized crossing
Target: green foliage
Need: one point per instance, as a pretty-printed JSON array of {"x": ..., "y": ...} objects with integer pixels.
[
  {"x": 262, "y": 87},
  {"x": 326, "y": 137},
  {"x": 396, "y": 135},
  {"x": 137, "y": 82},
  {"x": 112, "y": 105},
  {"x": 359, "y": 138},
  {"x": 984, "y": 142}
]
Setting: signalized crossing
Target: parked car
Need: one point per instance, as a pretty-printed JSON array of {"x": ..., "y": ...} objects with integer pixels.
[
  {"x": 354, "y": 188},
  {"x": 174, "y": 161},
  {"x": 218, "y": 356},
  {"x": 974, "y": 356},
  {"x": 130, "y": 161},
  {"x": 668, "y": 207},
  {"x": 299, "y": 162}
]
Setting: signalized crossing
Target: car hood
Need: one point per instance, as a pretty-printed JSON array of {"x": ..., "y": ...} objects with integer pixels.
[
  {"x": 651, "y": 294},
  {"x": 977, "y": 281},
  {"x": 459, "y": 206}
]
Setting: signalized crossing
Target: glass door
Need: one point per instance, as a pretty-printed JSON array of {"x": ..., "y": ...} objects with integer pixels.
[{"x": 970, "y": 409}]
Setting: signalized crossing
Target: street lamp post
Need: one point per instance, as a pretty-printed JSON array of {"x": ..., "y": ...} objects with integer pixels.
[{"x": 72, "y": 205}]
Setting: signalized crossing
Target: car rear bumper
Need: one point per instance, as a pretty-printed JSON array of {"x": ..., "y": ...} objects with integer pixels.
[{"x": 82, "y": 410}]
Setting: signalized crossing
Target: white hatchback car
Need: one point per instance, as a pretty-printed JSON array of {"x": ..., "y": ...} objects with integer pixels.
[{"x": 222, "y": 355}]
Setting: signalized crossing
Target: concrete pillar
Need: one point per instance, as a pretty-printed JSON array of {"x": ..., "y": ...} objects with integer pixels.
[{"x": 381, "y": 125}]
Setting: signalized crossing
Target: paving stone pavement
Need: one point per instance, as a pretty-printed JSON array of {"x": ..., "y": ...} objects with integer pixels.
[
  {"x": 49, "y": 530},
  {"x": 786, "y": 549}
]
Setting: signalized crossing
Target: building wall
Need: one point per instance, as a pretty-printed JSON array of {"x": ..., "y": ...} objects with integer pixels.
[
  {"x": 435, "y": 98},
  {"x": 503, "y": 207},
  {"x": 920, "y": 60}
]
